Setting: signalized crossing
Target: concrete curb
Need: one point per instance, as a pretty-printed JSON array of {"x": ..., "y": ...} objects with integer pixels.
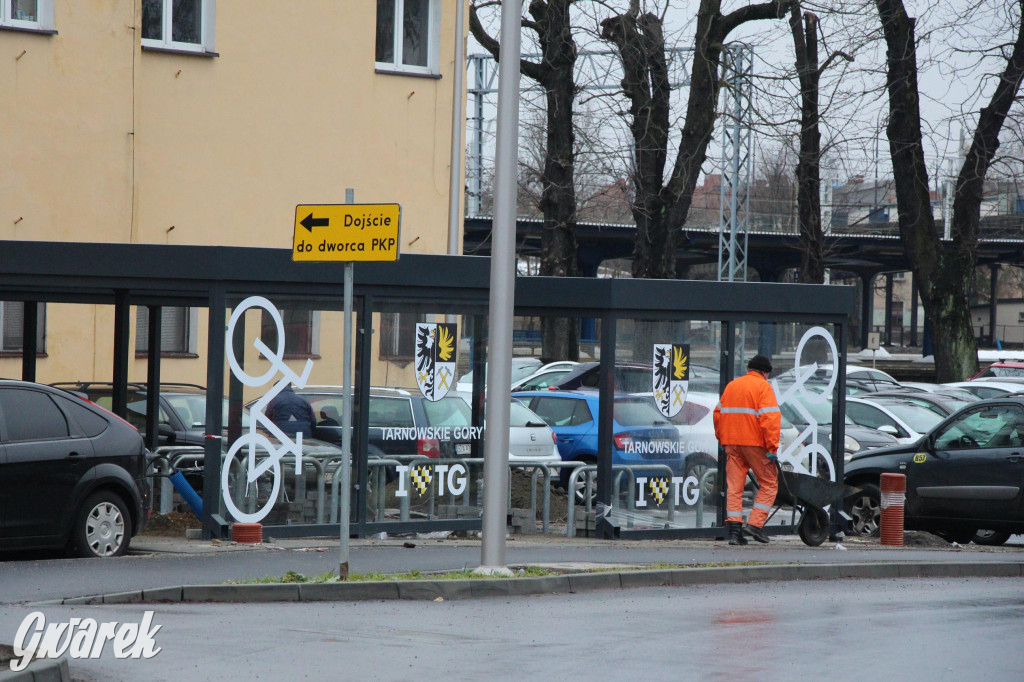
[
  {"x": 39, "y": 670},
  {"x": 561, "y": 584}
]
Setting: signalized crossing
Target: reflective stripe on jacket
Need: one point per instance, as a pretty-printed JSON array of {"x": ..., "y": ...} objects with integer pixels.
[{"x": 748, "y": 413}]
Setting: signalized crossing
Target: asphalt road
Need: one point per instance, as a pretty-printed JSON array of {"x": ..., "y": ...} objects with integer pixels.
[
  {"x": 915, "y": 629},
  {"x": 26, "y": 578}
]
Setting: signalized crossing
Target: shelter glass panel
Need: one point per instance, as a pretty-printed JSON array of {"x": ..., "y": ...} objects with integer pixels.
[
  {"x": 804, "y": 378},
  {"x": 664, "y": 454}
]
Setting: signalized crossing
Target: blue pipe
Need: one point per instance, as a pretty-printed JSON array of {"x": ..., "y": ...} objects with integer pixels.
[{"x": 187, "y": 493}]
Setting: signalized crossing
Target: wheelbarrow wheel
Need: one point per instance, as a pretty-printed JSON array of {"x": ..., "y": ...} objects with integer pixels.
[{"x": 813, "y": 527}]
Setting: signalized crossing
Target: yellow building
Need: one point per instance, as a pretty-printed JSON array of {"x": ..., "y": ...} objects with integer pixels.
[{"x": 206, "y": 122}]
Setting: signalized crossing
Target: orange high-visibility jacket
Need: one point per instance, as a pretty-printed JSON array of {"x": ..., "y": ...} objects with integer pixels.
[{"x": 748, "y": 413}]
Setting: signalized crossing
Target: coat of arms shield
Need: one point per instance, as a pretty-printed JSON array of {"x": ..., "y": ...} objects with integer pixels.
[
  {"x": 671, "y": 376},
  {"x": 435, "y": 359}
]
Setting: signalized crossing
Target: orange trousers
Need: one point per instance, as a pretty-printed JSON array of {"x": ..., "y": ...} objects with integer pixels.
[{"x": 741, "y": 459}]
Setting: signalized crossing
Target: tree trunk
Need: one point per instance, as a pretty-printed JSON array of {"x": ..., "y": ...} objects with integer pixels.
[
  {"x": 812, "y": 239},
  {"x": 944, "y": 273},
  {"x": 559, "y": 247},
  {"x": 660, "y": 208}
]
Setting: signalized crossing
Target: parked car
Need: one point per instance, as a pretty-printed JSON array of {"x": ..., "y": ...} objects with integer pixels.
[
  {"x": 857, "y": 438},
  {"x": 987, "y": 389},
  {"x": 907, "y": 421},
  {"x": 544, "y": 377},
  {"x": 392, "y": 413},
  {"x": 965, "y": 474},
  {"x": 859, "y": 379},
  {"x": 521, "y": 368},
  {"x": 945, "y": 389},
  {"x": 942, "y": 404},
  {"x": 71, "y": 474},
  {"x": 632, "y": 377},
  {"x": 529, "y": 437},
  {"x": 1003, "y": 368},
  {"x": 182, "y": 416},
  {"x": 640, "y": 434}
]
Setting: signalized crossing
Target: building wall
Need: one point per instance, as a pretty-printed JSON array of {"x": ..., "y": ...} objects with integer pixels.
[{"x": 106, "y": 142}]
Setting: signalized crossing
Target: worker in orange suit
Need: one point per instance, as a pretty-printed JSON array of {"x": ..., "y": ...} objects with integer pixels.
[{"x": 748, "y": 424}]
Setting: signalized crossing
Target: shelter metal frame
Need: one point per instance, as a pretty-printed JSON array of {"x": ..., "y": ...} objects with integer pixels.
[{"x": 214, "y": 277}]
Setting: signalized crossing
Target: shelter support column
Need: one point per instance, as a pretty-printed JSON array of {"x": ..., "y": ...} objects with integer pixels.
[
  {"x": 214, "y": 525},
  {"x": 29, "y": 341},
  {"x": 888, "y": 309},
  {"x": 122, "y": 336},
  {"x": 153, "y": 377},
  {"x": 866, "y": 306},
  {"x": 914, "y": 296},
  {"x": 993, "y": 302}
]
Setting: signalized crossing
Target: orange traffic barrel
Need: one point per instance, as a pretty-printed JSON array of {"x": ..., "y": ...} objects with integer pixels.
[
  {"x": 894, "y": 497},
  {"x": 252, "y": 533}
]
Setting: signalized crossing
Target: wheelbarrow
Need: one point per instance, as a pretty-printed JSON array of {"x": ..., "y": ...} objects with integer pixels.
[{"x": 810, "y": 495}]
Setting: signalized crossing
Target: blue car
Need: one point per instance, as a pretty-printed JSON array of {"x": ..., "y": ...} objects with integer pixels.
[{"x": 640, "y": 433}]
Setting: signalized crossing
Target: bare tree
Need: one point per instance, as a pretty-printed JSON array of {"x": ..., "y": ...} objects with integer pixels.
[
  {"x": 660, "y": 208},
  {"x": 944, "y": 272},
  {"x": 550, "y": 21}
]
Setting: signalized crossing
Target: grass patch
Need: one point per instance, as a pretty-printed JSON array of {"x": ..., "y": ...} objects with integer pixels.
[
  {"x": 468, "y": 574},
  {"x": 330, "y": 577}
]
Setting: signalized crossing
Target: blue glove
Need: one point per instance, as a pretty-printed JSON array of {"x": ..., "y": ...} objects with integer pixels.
[{"x": 772, "y": 457}]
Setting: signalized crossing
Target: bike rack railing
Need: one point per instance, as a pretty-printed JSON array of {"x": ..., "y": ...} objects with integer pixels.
[{"x": 624, "y": 469}]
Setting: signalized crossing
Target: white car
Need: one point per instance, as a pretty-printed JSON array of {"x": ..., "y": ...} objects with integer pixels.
[
  {"x": 521, "y": 368},
  {"x": 529, "y": 438},
  {"x": 987, "y": 389},
  {"x": 904, "y": 419},
  {"x": 544, "y": 376}
]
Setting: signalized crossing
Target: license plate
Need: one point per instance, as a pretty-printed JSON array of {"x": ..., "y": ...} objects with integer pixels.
[{"x": 462, "y": 448}]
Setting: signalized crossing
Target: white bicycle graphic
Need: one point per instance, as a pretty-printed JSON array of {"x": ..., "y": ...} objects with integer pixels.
[{"x": 270, "y": 453}]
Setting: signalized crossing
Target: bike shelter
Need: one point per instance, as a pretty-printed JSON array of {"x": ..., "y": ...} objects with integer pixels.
[{"x": 416, "y": 442}]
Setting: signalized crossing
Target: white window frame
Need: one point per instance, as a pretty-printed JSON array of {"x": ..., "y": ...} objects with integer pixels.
[
  {"x": 433, "y": 67},
  {"x": 207, "y": 12},
  {"x": 44, "y": 16}
]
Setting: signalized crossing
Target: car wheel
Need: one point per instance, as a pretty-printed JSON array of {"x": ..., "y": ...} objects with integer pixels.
[
  {"x": 992, "y": 538},
  {"x": 865, "y": 508},
  {"x": 960, "y": 536},
  {"x": 699, "y": 467},
  {"x": 813, "y": 528},
  {"x": 103, "y": 526}
]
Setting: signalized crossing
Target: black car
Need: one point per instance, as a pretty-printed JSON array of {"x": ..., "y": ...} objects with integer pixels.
[
  {"x": 632, "y": 378},
  {"x": 182, "y": 419},
  {"x": 965, "y": 475},
  {"x": 71, "y": 474}
]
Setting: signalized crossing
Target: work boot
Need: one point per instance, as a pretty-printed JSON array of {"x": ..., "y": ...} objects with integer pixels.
[
  {"x": 756, "y": 533},
  {"x": 736, "y": 533}
]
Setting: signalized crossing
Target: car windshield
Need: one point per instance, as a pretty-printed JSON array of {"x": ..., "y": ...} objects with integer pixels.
[
  {"x": 917, "y": 417},
  {"x": 638, "y": 412},
  {"x": 1003, "y": 372},
  {"x": 449, "y": 411}
]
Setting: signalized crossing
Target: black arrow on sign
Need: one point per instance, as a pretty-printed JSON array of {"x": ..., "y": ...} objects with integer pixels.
[{"x": 309, "y": 222}]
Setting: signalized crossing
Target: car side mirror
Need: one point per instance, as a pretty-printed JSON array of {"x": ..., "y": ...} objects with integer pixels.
[
  {"x": 889, "y": 429},
  {"x": 165, "y": 432}
]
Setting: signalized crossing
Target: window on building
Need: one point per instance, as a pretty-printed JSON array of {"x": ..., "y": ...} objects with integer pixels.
[
  {"x": 28, "y": 14},
  {"x": 301, "y": 332},
  {"x": 178, "y": 24},
  {"x": 176, "y": 330},
  {"x": 408, "y": 35},
  {"x": 13, "y": 315},
  {"x": 398, "y": 335}
]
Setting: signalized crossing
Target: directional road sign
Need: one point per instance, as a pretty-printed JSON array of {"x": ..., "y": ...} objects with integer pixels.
[{"x": 346, "y": 232}]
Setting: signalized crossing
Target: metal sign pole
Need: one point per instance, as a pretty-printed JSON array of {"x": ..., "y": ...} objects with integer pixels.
[
  {"x": 503, "y": 281},
  {"x": 346, "y": 417}
]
